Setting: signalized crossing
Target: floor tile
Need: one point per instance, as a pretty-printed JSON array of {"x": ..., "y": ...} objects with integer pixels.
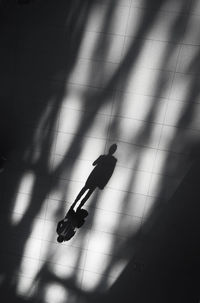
[
  {"x": 140, "y": 107},
  {"x": 162, "y": 49},
  {"x": 92, "y": 280},
  {"x": 136, "y": 132},
  {"x": 103, "y": 47},
  {"x": 148, "y": 82},
  {"x": 117, "y": 21},
  {"x": 192, "y": 31},
  {"x": 182, "y": 86},
  {"x": 87, "y": 98},
  {"x": 188, "y": 59}
]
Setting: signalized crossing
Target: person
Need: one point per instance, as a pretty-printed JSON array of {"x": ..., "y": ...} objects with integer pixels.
[
  {"x": 66, "y": 228},
  {"x": 99, "y": 177}
]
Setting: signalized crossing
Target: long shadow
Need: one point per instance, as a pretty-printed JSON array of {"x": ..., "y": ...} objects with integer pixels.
[{"x": 99, "y": 177}]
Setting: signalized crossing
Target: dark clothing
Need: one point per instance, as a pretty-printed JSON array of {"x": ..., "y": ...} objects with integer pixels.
[
  {"x": 99, "y": 177},
  {"x": 65, "y": 229},
  {"x": 73, "y": 220},
  {"x": 67, "y": 226},
  {"x": 104, "y": 167}
]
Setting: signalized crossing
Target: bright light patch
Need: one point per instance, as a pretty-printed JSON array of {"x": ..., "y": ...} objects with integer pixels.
[
  {"x": 21, "y": 204},
  {"x": 77, "y": 96},
  {"x": 69, "y": 120},
  {"x": 92, "y": 281},
  {"x": 155, "y": 185},
  {"x": 148, "y": 207},
  {"x": 122, "y": 176},
  {"x": 92, "y": 147},
  {"x": 147, "y": 156},
  {"x": 16, "y": 218},
  {"x": 91, "y": 42},
  {"x": 32, "y": 248},
  {"x": 29, "y": 267},
  {"x": 67, "y": 272},
  {"x": 62, "y": 271},
  {"x": 57, "y": 160},
  {"x": 107, "y": 197},
  {"x": 144, "y": 81},
  {"x": 73, "y": 98},
  {"x": 63, "y": 255},
  {"x": 81, "y": 72},
  {"x": 121, "y": 202},
  {"x": 25, "y": 287},
  {"x": 37, "y": 229},
  {"x": 141, "y": 183},
  {"x": 160, "y": 162},
  {"x": 55, "y": 293},
  {"x": 63, "y": 143},
  {"x": 23, "y": 198},
  {"x": 100, "y": 242},
  {"x": 117, "y": 268},
  {"x": 174, "y": 112},
  {"x": 88, "y": 45},
  {"x": 106, "y": 221},
  {"x": 27, "y": 183},
  {"x": 97, "y": 262},
  {"x": 168, "y": 133},
  {"x": 48, "y": 230}
]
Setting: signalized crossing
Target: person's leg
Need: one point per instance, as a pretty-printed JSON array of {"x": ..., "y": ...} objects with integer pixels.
[
  {"x": 90, "y": 191},
  {"x": 83, "y": 190}
]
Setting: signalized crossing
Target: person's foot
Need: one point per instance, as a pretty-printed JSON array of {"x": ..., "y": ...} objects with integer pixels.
[
  {"x": 73, "y": 205},
  {"x": 78, "y": 208},
  {"x": 60, "y": 239}
]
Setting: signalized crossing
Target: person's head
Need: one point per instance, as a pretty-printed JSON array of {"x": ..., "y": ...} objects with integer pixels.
[
  {"x": 60, "y": 239},
  {"x": 112, "y": 149}
]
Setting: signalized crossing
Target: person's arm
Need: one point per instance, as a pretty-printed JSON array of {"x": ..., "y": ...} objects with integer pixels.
[
  {"x": 59, "y": 226},
  {"x": 97, "y": 161}
]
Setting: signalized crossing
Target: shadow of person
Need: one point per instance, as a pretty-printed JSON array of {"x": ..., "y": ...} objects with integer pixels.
[
  {"x": 99, "y": 177},
  {"x": 67, "y": 227}
]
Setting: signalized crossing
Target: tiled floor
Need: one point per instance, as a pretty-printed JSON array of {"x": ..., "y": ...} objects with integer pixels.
[{"x": 76, "y": 78}]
